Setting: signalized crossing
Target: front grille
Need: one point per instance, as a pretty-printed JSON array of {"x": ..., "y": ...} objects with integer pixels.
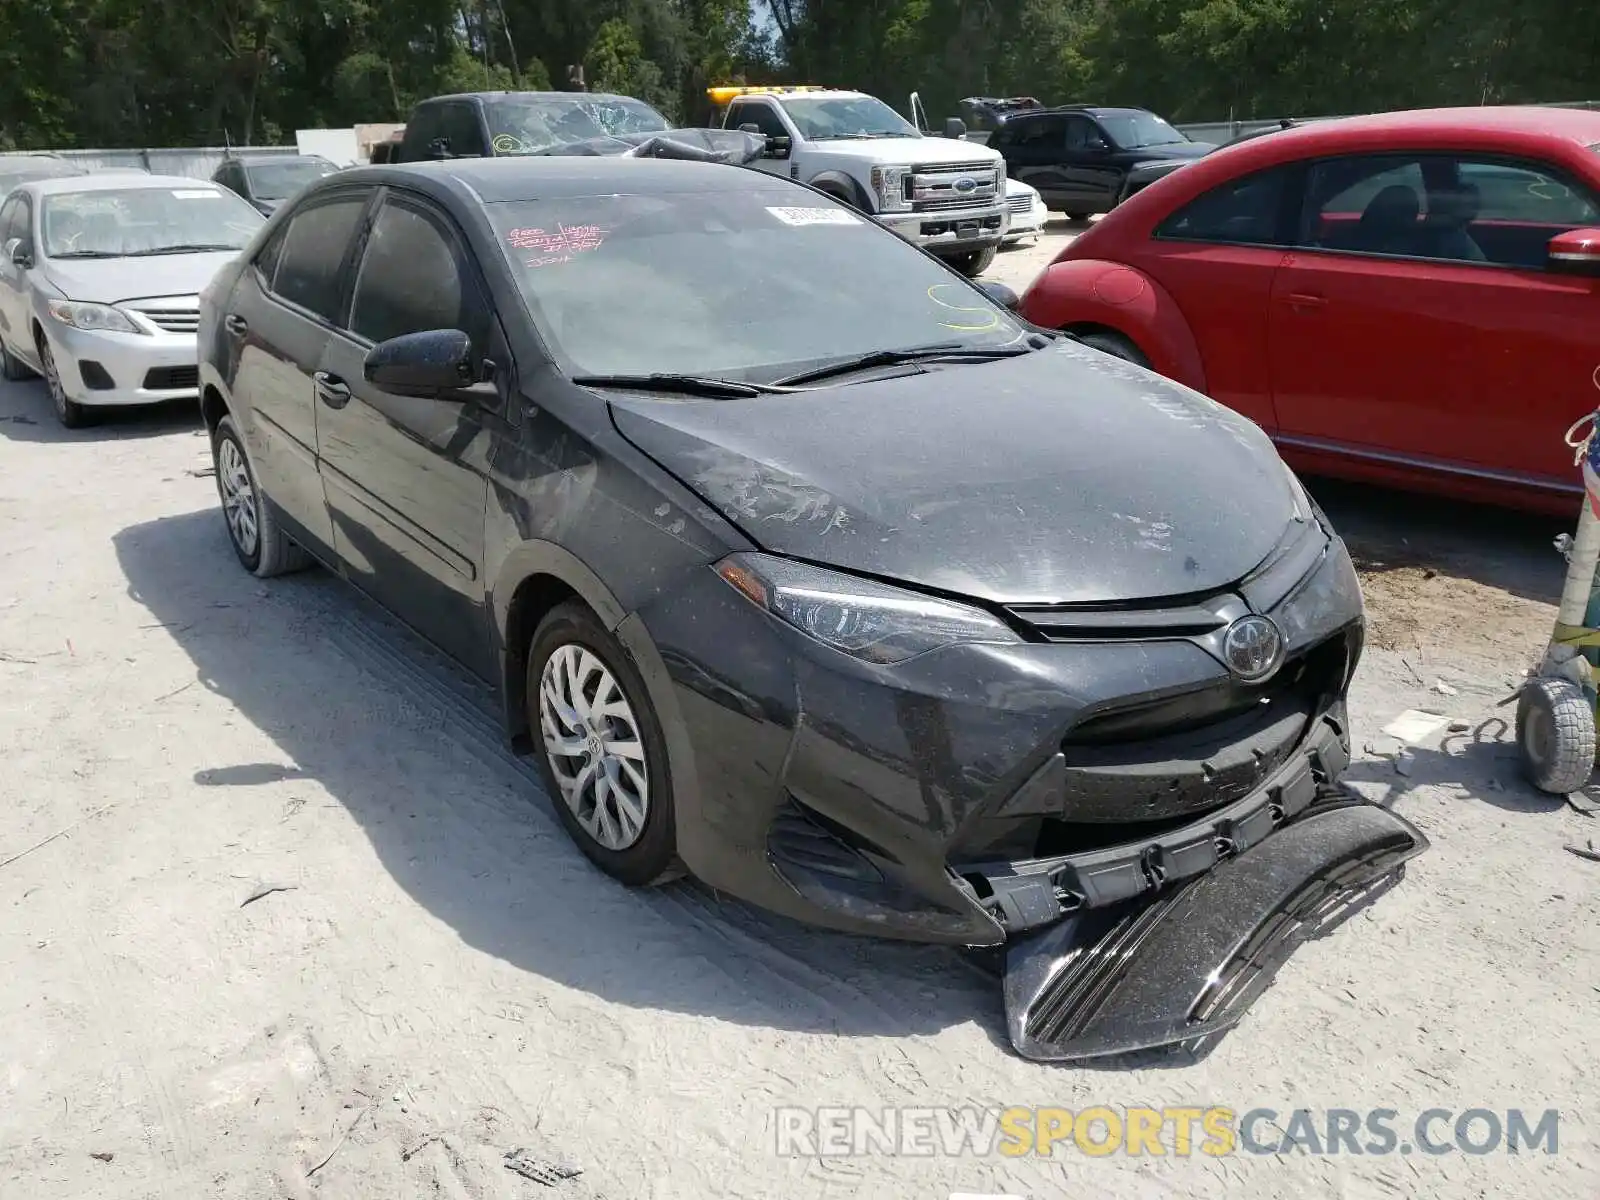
[
  {"x": 1161, "y": 761},
  {"x": 932, "y": 188},
  {"x": 171, "y": 318},
  {"x": 165, "y": 379},
  {"x": 1020, "y": 204}
]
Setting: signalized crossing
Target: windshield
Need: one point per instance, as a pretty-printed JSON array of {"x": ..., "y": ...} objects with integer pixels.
[
  {"x": 280, "y": 180},
  {"x": 118, "y": 222},
  {"x": 528, "y": 125},
  {"x": 751, "y": 285},
  {"x": 1133, "y": 131},
  {"x": 823, "y": 118}
]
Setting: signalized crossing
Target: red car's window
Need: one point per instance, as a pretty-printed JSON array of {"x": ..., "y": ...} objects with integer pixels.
[{"x": 1452, "y": 207}]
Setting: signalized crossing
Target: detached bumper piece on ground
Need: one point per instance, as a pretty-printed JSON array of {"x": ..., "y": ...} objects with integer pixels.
[{"x": 1182, "y": 969}]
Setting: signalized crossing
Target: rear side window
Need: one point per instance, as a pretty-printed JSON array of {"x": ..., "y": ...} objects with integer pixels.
[
  {"x": 414, "y": 277},
  {"x": 1041, "y": 133},
  {"x": 314, "y": 249},
  {"x": 1247, "y": 211}
]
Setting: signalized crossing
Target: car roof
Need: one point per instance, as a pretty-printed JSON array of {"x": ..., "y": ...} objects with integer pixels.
[
  {"x": 272, "y": 158},
  {"x": 1488, "y": 126},
  {"x": 574, "y": 97},
  {"x": 114, "y": 181},
  {"x": 559, "y": 176}
]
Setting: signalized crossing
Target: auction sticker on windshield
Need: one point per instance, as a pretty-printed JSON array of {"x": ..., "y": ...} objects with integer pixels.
[
  {"x": 814, "y": 216},
  {"x": 196, "y": 194}
]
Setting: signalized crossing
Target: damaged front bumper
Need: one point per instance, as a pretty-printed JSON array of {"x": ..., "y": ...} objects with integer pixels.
[{"x": 1041, "y": 795}]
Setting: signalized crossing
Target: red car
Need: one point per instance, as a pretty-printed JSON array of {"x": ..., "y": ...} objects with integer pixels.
[{"x": 1411, "y": 299}]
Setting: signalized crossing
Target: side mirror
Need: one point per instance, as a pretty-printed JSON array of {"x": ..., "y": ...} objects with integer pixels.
[
  {"x": 749, "y": 127},
  {"x": 955, "y": 129},
  {"x": 19, "y": 253},
  {"x": 439, "y": 148},
  {"x": 1000, "y": 294},
  {"x": 778, "y": 147},
  {"x": 1575, "y": 252},
  {"x": 427, "y": 365},
  {"x": 1096, "y": 145}
]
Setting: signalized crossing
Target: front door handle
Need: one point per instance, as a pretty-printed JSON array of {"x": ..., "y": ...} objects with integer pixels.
[
  {"x": 335, "y": 393},
  {"x": 1305, "y": 301},
  {"x": 236, "y": 324}
]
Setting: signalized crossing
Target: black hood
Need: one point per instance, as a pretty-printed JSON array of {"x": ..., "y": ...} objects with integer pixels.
[{"x": 1061, "y": 476}]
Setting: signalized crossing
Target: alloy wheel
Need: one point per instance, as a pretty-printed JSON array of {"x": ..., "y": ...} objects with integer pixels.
[
  {"x": 596, "y": 751},
  {"x": 238, "y": 497}
]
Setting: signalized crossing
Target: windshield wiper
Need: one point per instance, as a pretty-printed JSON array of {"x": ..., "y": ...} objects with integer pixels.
[
  {"x": 182, "y": 248},
  {"x": 88, "y": 254},
  {"x": 688, "y": 385},
  {"x": 890, "y": 358}
]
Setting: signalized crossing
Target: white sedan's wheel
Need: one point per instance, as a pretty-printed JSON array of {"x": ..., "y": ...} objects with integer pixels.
[{"x": 593, "y": 743}]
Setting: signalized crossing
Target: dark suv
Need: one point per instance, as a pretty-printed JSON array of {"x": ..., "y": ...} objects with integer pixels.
[
  {"x": 493, "y": 124},
  {"x": 1078, "y": 156}
]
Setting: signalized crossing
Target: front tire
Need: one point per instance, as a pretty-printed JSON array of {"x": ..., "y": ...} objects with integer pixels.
[
  {"x": 1556, "y": 733},
  {"x": 13, "y": 368},
  {"x": 70, "y": 413},
  {"x": 600, "y": 748},
  {"x": 1117, "y": 346},
  {"x": 975, "y": 263},
  {"x": 260, "y": 543}
]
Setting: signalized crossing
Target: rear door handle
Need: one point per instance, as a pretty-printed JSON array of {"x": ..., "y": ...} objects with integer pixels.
[
  {"x": 1305, "y": 300},
  {"x": 236, "y": 324},
  {"x": 335, "y": 393}
]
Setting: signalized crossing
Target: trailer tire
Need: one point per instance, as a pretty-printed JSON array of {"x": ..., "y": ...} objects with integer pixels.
[{"x": 1556, "y": 733}]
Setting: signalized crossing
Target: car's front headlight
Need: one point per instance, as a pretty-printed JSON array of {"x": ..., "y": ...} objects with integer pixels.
[
  {"x": 889, "y": 188},
  {"x": 870, "y": 621},
  {"x": 99, "y": 317}
]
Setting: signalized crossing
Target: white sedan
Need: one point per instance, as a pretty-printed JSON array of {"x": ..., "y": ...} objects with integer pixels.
[{"x": 1028, "y": 213}]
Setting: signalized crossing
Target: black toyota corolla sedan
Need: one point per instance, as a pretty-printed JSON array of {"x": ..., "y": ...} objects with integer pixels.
[{"x": 806, "y": 567}]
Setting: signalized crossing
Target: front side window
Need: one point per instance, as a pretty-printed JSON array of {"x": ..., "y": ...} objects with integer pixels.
[
  {"x": 1247, "y": 211},
  {"x": 532, "y": 124},
  {"x": 763, "y": 116},
  {"x": 412, "y": 279},
  {"x": 1450, "y": 207},
  {"x": 142, "y": 221},
  {"x": 1082, "y": 133},
  {"x": 753, "y": 284},
  {"x": 280, "y": 180},
  {"x": 10, "y": 222},
  {"x": 840, "y": 118},
  {"x": 313, "y": 251}
]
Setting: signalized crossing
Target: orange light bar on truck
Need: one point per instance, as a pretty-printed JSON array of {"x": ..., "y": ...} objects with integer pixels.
[{"x": 726, "y": 95}]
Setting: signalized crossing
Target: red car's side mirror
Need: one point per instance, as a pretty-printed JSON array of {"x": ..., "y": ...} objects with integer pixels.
[{"x": 1577, "y": 252}]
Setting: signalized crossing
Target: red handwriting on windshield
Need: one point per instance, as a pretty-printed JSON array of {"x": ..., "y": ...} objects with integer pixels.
[{"x": 559, "y": 245}]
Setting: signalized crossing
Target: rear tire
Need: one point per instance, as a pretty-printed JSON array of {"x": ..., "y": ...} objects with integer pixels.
[
  {"x": 975, "y": 263},
  {"x": 13, "y": 368},
  {"x": 1556, "y": 733},
  {"x": 586, "y": 696},
  {"x": 1117, "y": 346},
  {"x": 262, "y": 546}
]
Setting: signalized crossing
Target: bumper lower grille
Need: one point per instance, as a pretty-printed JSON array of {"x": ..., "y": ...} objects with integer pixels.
[{"x": 165, "y": 379}]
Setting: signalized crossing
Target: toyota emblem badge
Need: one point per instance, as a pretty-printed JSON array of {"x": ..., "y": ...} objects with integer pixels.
[{"x": 1252, "y": 648}]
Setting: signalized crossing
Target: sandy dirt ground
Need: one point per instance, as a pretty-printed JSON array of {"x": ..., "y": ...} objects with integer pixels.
[{"x": 439, "y": 978}]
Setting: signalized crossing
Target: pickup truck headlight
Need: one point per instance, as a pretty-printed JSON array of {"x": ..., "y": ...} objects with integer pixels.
[
  {"x": 889, "y": 188},
  {"x": 98, "y": 317},
  {"x": 867, "y": 620}
]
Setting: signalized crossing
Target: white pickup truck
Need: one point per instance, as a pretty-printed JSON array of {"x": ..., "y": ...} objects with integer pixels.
[{"x": 944, "y": 194}]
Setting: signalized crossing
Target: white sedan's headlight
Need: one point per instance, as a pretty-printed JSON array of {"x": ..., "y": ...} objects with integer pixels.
[
  {"x": 100, "y": 317},
  {"x": 870, "y": 621}
]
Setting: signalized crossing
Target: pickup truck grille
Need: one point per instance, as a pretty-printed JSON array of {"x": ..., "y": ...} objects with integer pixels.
[{"x": 944, "y": 187}]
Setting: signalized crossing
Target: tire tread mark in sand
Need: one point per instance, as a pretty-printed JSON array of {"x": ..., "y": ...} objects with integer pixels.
[
  {"x": 106, "y": 981},
  {"x": 392, "y": 654}
]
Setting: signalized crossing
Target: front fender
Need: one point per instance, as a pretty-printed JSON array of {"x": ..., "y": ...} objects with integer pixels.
[
  {"x": 841, "y": 182},
  {"x": 1089, "y": 292}
]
